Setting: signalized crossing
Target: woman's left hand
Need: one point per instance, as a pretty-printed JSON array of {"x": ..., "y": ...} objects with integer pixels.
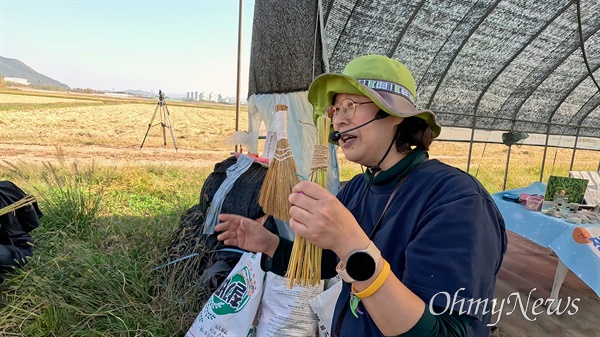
[{"x": 318, "y": 216}]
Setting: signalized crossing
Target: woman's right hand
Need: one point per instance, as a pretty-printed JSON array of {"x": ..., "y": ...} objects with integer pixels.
[
  {"x": 246, "y": 234},
  {"x": 319, "y": 217}
]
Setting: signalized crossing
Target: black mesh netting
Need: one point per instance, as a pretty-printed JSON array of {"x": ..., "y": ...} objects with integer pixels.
[{"x": 483, "y": 64}]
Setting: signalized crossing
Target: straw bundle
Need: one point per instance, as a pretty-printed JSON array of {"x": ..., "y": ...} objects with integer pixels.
[
  {"x": 304, "y": 268},
  {"x": 282, "y": 173},
  {"x": 16, "y": 205}
]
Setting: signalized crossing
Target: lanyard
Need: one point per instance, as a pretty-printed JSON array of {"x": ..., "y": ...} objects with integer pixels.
[{"x": 373, "y": 232}]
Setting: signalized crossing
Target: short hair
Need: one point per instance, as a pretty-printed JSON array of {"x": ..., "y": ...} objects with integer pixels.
[{"x": 413, "y": 132}]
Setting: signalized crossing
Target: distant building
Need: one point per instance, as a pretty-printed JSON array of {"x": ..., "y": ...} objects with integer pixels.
[
  {"x": 16, "y": 80},
  {"x": 211, "y": 97}
]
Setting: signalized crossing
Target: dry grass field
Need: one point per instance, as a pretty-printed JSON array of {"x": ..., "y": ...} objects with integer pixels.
[
  {"x": 38, "y": 127},
  {"x": 110, "y": 131}
]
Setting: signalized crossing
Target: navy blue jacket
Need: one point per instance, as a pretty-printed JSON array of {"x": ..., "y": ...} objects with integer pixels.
[{"x": 442, "y": 234}]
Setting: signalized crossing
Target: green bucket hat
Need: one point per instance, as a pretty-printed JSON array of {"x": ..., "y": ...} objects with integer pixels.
[{"x": 385, "y": 81}]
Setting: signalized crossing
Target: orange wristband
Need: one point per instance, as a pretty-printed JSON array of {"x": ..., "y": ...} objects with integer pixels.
[{"x": 373, "y": 287}]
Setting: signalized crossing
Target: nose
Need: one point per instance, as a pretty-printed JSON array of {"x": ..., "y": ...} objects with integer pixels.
[{"x": 338, "y": 120}]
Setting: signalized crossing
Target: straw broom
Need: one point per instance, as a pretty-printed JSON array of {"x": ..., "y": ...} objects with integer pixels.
[
  {"x": 304, "y": 268},
  {"x": 282, "y": 173},
  {"x": 16, "y": 205}
]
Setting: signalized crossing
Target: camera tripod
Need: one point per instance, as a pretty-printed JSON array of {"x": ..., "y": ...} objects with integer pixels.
[{"x": 165, "y": 121}]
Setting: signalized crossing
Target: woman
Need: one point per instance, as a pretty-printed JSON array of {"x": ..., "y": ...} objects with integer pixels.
[{"x": 419, "y": 243}]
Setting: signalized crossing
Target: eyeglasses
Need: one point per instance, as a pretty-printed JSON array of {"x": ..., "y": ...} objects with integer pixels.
[{"x": 347, "y": 106}]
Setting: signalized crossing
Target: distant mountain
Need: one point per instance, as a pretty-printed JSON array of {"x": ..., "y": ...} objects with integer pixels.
[{"x": 16, "y": 68}]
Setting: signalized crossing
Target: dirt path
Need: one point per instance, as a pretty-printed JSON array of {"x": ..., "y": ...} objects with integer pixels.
[{"x": 110, "y": 156}]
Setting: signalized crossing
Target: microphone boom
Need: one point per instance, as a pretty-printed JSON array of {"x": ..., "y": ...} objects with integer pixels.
[{"x": 335, "y": 136}]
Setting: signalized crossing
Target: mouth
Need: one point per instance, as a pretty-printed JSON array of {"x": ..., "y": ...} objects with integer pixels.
[{"x": 348, "y": 138}]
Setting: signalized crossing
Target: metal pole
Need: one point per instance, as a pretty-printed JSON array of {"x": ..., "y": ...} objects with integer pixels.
[
  {"x": 545, "y": 152},
  {"x": 471, "y": 145},
  {"x": 239, "y": 71},
  {"x": 506, "y": 168},
  {"x": 574, "y": 149}
]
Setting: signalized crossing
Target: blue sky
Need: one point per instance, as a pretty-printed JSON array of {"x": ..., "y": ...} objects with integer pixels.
[{"x": 174, "y": 46}]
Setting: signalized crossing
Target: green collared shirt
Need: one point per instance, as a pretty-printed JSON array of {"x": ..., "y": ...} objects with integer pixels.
[{"x": 400, "y": 169}]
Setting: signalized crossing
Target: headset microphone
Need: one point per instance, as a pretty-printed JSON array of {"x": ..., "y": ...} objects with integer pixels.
[{"x": 335, "y": 136}]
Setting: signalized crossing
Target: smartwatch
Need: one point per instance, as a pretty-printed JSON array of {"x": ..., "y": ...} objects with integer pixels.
[{"x": 360, "y": 264}]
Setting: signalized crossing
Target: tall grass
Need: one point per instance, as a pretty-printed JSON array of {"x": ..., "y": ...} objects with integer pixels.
[{"x": 102, "y": 233}]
